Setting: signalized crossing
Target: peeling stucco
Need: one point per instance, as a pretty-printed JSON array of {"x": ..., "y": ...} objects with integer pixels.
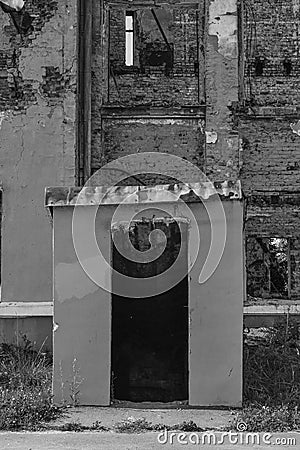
[
  {"x": 128, "y": 225},
  {"x": 223, "y": 24},
  {"x": 211, "y": 137},
  {"x": 37, "y": 145}
]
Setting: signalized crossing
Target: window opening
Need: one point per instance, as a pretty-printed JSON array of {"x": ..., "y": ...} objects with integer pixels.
[{"x": 129, "y": 33}]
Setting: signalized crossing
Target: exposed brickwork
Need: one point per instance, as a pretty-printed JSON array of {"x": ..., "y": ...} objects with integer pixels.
[
  {"x": 271, "y": 155},
  {"x": 271, "y": 146},
  {"x": 125, "y": 136},
  {"x": 202, "y": 39},
  {"x": 272, "y": 51},
  {"x": 155, "y": 82},
  {"x": 15, "y": 92},
  {"x": 159, "y": 84}
]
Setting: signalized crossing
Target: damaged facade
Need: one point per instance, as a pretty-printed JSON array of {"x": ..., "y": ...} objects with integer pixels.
[
  {"x": 268, "y": 125},
  {"x": 211, "y": 81}
]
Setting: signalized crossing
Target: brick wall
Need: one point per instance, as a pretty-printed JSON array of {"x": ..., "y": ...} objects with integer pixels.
[
  {"x": 268, "y": 124},
  {"x": 168, "y": 107},
  {"x": 123, "y": 136},
  {"x": 272, "y": 51},
  {"x": 151, "y": 81}
]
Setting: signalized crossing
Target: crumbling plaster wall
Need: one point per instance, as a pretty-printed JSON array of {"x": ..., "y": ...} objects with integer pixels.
[
  {"x": 37, "y": 139},
  {"x": 221, "y": 78},
  {"x": 269, "y": 123}
]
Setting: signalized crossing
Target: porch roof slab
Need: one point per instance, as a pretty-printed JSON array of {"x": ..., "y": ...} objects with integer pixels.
[{"x": 112, "y": 195}]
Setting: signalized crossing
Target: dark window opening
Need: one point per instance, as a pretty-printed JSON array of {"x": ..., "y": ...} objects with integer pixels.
[
  {"x": 259, "y": 65},
  {"x": 269, "y": 267},
  {"x": 287, "y": 65},
  {"x": 157, "y": 54},
  {"x": 150, "y": 335}
]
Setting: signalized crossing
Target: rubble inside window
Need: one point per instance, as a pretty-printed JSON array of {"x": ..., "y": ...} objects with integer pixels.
[{"x": 269, "y": 267}]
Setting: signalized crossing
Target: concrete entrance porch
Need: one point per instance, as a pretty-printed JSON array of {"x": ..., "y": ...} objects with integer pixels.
[{"x": 83, "y": 357}]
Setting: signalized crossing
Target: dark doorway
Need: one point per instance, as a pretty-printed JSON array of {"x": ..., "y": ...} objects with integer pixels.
[{"x": 150, "y": 336}]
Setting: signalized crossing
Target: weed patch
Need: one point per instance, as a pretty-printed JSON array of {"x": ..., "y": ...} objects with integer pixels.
[
  {"x": 272, "y": 380},
  {"x": 78, "y": 427},
  {"x": 140, "y": 425},
  {"x": 272, "y": 367},
  {"x": 25, "y": 387},
  {"x": 268, "y": 418}
]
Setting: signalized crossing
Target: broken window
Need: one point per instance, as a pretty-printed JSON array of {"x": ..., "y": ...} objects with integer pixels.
[
  {"x": 129, "y": 54},
  {"x": 148, "y": 40},
  {"x": 269, "y": 267}
]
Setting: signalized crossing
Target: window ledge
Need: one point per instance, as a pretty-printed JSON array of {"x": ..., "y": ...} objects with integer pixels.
[
  {"x": 44, "y": 309},
  {"x": 25, "y": 309}
]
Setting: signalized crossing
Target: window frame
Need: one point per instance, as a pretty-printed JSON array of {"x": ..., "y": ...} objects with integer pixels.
[
  {"x": 129, "y": 32},
  {"x": 271, "y": 293}
]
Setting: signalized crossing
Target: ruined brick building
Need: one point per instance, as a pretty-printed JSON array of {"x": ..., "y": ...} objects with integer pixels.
[{"x": 215, "y": 82}]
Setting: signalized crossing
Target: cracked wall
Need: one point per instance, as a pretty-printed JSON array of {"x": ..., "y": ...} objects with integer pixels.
[{"x": 37, "y": 139}]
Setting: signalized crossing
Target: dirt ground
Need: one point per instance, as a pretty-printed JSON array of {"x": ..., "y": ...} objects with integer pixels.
[{"x": 109, "y": 416}]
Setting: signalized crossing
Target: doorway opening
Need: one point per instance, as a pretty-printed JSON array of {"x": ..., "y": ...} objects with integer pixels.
[{"x": 150, "y": 334}]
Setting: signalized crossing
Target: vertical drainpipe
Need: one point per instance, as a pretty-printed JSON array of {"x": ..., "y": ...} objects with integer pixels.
[{"x": 83, "y": 154}]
